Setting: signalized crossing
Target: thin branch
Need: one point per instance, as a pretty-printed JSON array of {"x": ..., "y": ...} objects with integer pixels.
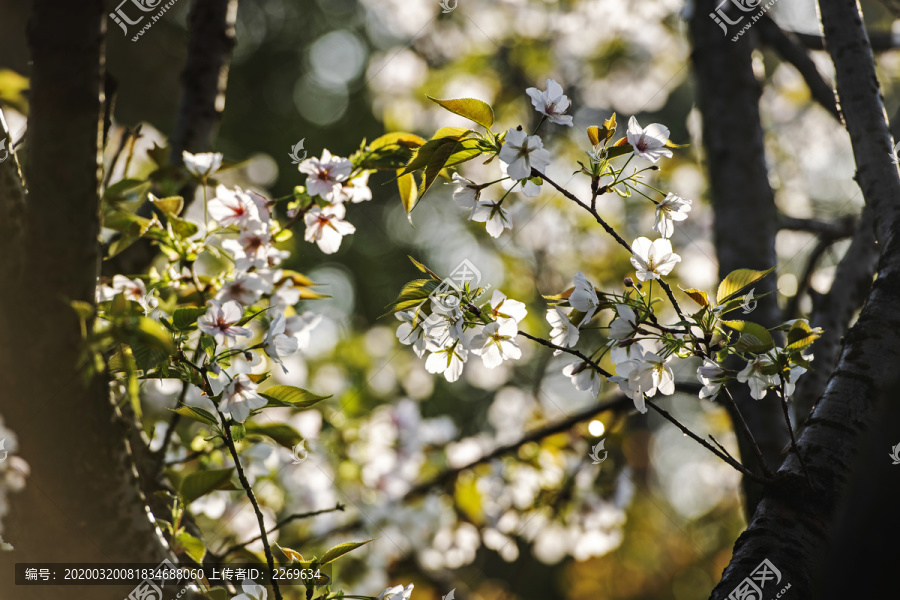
[
  {"x": 793, "y": 306},
  {"x": 608, "y": 228},
  {"x": 751, "y": 441},
  {"x": 571, "y": 351},
  {"x": 840, "y": 228},
  {"x": 279, "y": 525},
  {"x": 879, "y": 41},
  {"x": 787, "y": 421},
  {"x": 229, "y": 441},
  {"x": 792, "y": 50},
  {"x": 726, "y": 457}
]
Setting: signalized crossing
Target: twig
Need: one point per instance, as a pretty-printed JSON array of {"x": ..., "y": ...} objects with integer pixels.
[
  {"x": 279, "y": 525},
  {"x": 787, "y": 421},
  {"x": 749, "y": 435},
  {"x": 726, "y": 457},
  {"x": 229, "y": 441},
  {"x": 571, "y": 351}
]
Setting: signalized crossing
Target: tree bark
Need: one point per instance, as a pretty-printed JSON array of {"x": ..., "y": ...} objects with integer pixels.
[
  {"x": 81, "y": 502},
  {"x": 743, "y": 201},
  {"x": 793, "y": 525}
]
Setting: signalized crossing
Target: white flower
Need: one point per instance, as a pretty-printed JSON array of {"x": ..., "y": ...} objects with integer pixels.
[
  {"x": 522, "y": 152},
  {"x": 252, "y": 591},
  {"x": 246, "y": 289},
  {"x": 409, "y": 335},
  {"x": 649, "y": 142},
  {"x": 131, "y": 289},
  {"x": 507, "y": 308},
  {"x": 584, "y": 377},
  {"x": 528, "y": 187},
  {"x": 233, "y": 207},
  {"x": 277, "y": 342},
  {"x": 239, "y": 398},
  {"x": 354, "y": 190},
  {"x": 466, "y": 193},
  {"x": 790, "y": 380},
  {"x": 448, "y": 360},
  {"x": 584, "y": 297},
  {"x": 644, "y": 375},
  {"x": 300, "y": 327},
  {"x": 551, "y": 103},
  {"x": 710, "y": 375},
  {"x": 203, "y": 164},
  {"x": 495, "y": 218},
  {"x": 326, "y": 227},
  {"x": 563, "y": 332},
  {"x": 753, "y": 375},
  {"x": 398, "y": 592},
  {"x": 326, "y": 175},
  {"x": 497, "y": 342},
  {"x": 625, "y": 325},
  {"x": 220, "y": 321},
  {"x": 252, "y": 248},
  {"x": 653, "y": 259},
  {"x": 672, "y": 208},
  {"x": 444, "y": 325}
]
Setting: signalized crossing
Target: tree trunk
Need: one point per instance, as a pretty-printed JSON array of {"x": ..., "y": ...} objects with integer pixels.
[
  {"x": 744, "y": 205},
  {"x": 793, "y": 525},
  {"x": 81, "y": 502}
]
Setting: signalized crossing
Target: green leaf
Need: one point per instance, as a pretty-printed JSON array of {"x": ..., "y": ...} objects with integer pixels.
[
  {"x": 197, "y": 414},
  {"x": 436, "y": 165},
  {"x": 191, "y": 546},
  {"x": 413, "y": 294},
  {"x": 465, "y": 150},
  {"x": 282, "y": 433},
  {"x": 409, "y": 194},
  {"x": 397, "y": 138},
  {"x": 125, "y": 188},
  {"x": 290, "y": 396},
  {"x": 170, "y": 206},
  {"x": 201, "y": 483},
  {"x": 801, "y": 336},
  {"x": 698, "y": 296},
  {"x": 186, "y": 318},
  {"x": 291, "y": 554},
  {"x": 473, "y": 109},
  {"x": 424, "y": 155},
  {"x": 182, "y": 227},
  {"x": 451, "y": 133},
  {"x": 737, "y": 280},
  {"x": 238, "y": 431},
  {"x": 754, "y": 337},
  {"x": 340, "y": 550}
]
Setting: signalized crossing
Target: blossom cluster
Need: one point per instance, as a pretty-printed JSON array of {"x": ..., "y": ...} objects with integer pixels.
[{"x": 13, "y": 470}]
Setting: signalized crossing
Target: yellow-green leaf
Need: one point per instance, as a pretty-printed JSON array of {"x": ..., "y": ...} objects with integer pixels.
[
  {"x": 292, "y": 555},
  {"x": 737, "y": 280},
  {"x": 754, "y": 337},
  {"x": 171, "y": 205},
  {"x": 473, "y": 109},
  {"x": 282, "y": 433},
  {"x": 409, "y": 194},
  {"x": 201, "y": 483},
  {"x": 191, "y": 546},
  {"x": 340, "y": 550},
  {"x": 197, "y": 414},
  {"x": 290, "y": 396},
  {"x": 698, "y": 296},
  {"x": 397, "y": 138}
]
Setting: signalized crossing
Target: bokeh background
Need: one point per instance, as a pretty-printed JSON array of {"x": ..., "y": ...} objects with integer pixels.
[{"x": 658, "y": 518}]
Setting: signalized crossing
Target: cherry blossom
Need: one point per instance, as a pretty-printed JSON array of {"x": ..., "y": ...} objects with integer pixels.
[
  {"x": 277, "y": 342},
  {"x": 354, "y": 190},
  {"x": 252, "y": 248},
  {"x": 497, "y": 342},
  {"x": 326, "y": 175},
  {"x": 220, "y": 321},
  {"x": 584, "y": 377},
  {"x": 410, "y": 335},
  {"x": 528, "y": 187},
  {"x": 448, "y": 360},
  {"x": 653, "y": 259},
  {"x": 672, "y": 208},
  {"x": 252, "y": 591},
  {"x": 752, "y": 374},
  {"x": 625, "y": 325},
  {"x": 240, "y": 397},
  {"x": 710, "y": 375},
  {"x": 584, "y": 297},
  {"x": 522, "y": 153},
  {"x": 507, "y": 308},
  {"x": 495, "y": 218},
  {"x": 398, "y": 592},
  {"x": 233, "y": 207},
  {"x": 246, "y": 289},
  {"x": 648, "y": 142},
  {"x": 202, "y": 165},
  {"x": 326, "y": 227},
  {"x": 643, "y": 376},
  {"x": 563, "y": 332},
  {"x": 551, "y": 103},
  {"x": 466, "y": 193}
]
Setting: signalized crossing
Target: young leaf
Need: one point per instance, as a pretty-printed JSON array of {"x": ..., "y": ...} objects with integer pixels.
[
  {"x": 292, "y": 555},
  {"x": 754, "y": 337},
  {"x": 698, "y": 296},
  {"x": 340, "y": 550},
  {"x": 186, "y": 318},
  {"x": 397, "y": 138},
  {"x": 238, "y": 431},
  {"x": 409, "y": 194},
  {"x": 201, "y": 483},
  {"x": 191, "y": 546},
  {"x": 436, "y": 164},
  {"x": 282, "y": 433},
  {"x": 737, "y": 280},
  {"x": 290, "y": 396},
  {"x": 171, "y": 206},
  {"x": 801, "y": 336},
  {"x": 475, "y": 110},
  {"x": 197, "y": 414}
]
